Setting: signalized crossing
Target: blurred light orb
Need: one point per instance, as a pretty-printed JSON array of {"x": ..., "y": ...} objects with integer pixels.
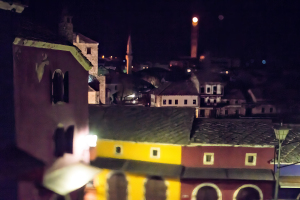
[
  {"x": 195, "y": 19},
  {"x": 264, "y": 62},
  {"x": 189, "y": 70},
  {"x": 202, "y": 57},
  {"x": 221, "y": 17}
]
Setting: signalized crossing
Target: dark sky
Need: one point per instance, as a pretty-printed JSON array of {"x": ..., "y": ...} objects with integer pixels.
[{"x": 161, "y": 29}]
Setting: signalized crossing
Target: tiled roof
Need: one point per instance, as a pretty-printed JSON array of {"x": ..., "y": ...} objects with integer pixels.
[
  {"x": 33, "y": 31},
  {"x": 83, "y": 39},
  {"x": 290, "y": 152},
  {"x": 233, "y": 131},
  {"x": 207, "y": 76},
  {"x": 142, "y": 124},
  {"x": 177, "y": 88}
]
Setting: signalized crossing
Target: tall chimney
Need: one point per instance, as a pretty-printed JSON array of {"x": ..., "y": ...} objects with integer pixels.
[
  {"x": 129, "y": 56},
  {"x": 194, "y": 37},
  {"x": 66, "y": 26}
]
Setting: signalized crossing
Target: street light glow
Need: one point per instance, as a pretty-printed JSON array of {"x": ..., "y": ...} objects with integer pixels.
[{"x": 195, "y": 19}]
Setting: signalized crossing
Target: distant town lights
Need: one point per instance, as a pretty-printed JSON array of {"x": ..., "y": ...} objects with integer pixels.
[
  {"x": 189, "y": 70},
  {"x": 226, "y": 72},
  {"x": 202, "y": 57},
  {"x": 264, "y": 62},
  {"x": 103, "y": 56}
]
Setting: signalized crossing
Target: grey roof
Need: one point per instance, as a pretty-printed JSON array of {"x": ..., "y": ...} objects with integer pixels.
[
  {"x": 177, "y": 88},
  {"x": 142, "y": 124},
  {"x": 139, "y": 167},
  {"x": 233, "y": 174},
  {"x": 207, "y": 76},
  {"x": 233, "y": 131},
  {"x": 291, "y": 147}
]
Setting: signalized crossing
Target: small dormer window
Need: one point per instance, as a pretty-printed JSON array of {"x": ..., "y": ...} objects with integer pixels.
[
  {"x": 250, "y": 159},
  {"x": 89, "y": 50},
  {"x": 154, "y": 152},
  {"x": 208, "y": 159},
  {"x": 194, "y": 101},
  {"x": 271, "y": 110},
  {"x": 262, "y": 110}
]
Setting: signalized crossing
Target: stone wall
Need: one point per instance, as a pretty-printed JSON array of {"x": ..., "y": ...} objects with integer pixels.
[{"x": 93, "y": 57}]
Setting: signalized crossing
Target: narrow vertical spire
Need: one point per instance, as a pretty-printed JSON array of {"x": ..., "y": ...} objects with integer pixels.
[{"x": 129, "y": 56}]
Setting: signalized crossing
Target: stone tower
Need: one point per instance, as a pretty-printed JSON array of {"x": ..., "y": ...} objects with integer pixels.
[
  {"x": 66, "y": 26},
  {"x": 129, "y": 56}
]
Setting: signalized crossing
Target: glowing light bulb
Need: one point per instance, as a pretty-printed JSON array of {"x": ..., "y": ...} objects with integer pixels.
[{"x": 195, "y": 19}]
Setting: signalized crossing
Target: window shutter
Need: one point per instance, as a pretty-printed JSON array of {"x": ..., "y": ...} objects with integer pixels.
[
  {"x": 51, "y": 86},
  {"x": 66, "y": 87},
  {"x": 59, "y": 142},
  {"x": 69, "y": 134}
]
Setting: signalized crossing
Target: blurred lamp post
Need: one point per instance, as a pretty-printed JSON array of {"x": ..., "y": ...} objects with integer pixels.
[{"x": 280, "y": 133}]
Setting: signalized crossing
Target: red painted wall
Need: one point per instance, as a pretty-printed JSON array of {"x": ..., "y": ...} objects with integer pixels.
[
  {"x": 227, "y": 187},
  {"x": 36, "y": 116},
  {"x": 226, "y": 157}
]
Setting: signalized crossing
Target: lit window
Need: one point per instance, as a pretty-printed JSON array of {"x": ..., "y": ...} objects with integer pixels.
[
  {"x": 89, "y": 50},
  {"x": 271, "y": 110},
  {"x": 154, "y": 152},
  {"x": 185, "y": 101},
  {"x": 164, "y": 102},
  {"x": 170, "y": 101},
  {"x": 208, "y": 159},
  {"x": 176, "y": 101},
  {"x": 194, "y": 101},
  {"x": 118, "y": 150},
  {"x": 262, "y": 110},
  {"x": 250, "y": 159}
]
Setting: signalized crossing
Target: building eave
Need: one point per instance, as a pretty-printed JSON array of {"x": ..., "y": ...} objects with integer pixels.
[
  {"x": 45, "y": 45},
  {"x": 10, "y": 6}
]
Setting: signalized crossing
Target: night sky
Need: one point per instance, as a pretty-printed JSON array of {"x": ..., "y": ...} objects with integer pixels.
[{"x": 161, "y": 29}]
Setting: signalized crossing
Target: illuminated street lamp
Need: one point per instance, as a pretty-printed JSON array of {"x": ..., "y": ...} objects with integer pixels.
[
  {"x": 280, "y": 133},
  {"x": 195, "y": 21}
]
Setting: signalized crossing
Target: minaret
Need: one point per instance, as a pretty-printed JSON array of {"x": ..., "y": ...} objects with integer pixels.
[
  {"x": 129, "y": 56},
  {"x": 194, "y": 37},
  {"x": 66, "y": 26}
]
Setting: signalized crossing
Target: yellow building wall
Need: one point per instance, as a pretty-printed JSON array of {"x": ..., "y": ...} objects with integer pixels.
[
  {"x": 136, "y": 186},
  {"x": 169, "y": 153}
]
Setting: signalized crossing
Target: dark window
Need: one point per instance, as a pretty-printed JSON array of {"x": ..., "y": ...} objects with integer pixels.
[
  {"x": 228, "y": 102},
  {"x": 208, "y": 90},
  {"x": 262, "y": 110},
  {"x": 271, "y": 110},
  {"x": 202, "y": 113},
  {"x": 117, "y": 187},
  {"x": 226, "y": 112},
  {"x": 207, "y": 192},
  {"x": 59, "y": 142},
  {"x": 215, "y": 90},
  {"x": 194, "y": 101},
  {"x": 155, "y": 189},
  {"x": 164, "y": 102},
  {"x": 118, "y": 150},
  {"x": 237, "y": 112},
  {"x": 185, "y": 101},
  {"x": 202, "y": 90},
  {"x": 68, "y": 20},
  {"x": 69, "y": 135},
  {"x": 89, "y": 50},
  {"x": 236, "y": 102},
  {"x": 66, "y": 87},
  {"x": 176, "y": 101},
  {"x": 248, "y": 193},
  {"x": 215, "y": 101},
  {"x": 170, "y": 101},
  {"x": 154, "y": 152},
  {"x": 116, "y": 87},
  {"x": 250, "y": 159},
  {"x": 57, "y": 86},
  {"x": 208, "y": 158}
]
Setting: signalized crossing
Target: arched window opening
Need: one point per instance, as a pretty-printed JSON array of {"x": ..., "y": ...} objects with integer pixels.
[
  {"x": 57, "y": 86},
  {"x": 66, "y": 87},
  {"x": 59, "y": 142},
  {"x": 117, "y": 187},
  {"x": 207, "y": 193},
  {"x": 248, "y": 193},
  {"x": 156, "y": 189}
]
